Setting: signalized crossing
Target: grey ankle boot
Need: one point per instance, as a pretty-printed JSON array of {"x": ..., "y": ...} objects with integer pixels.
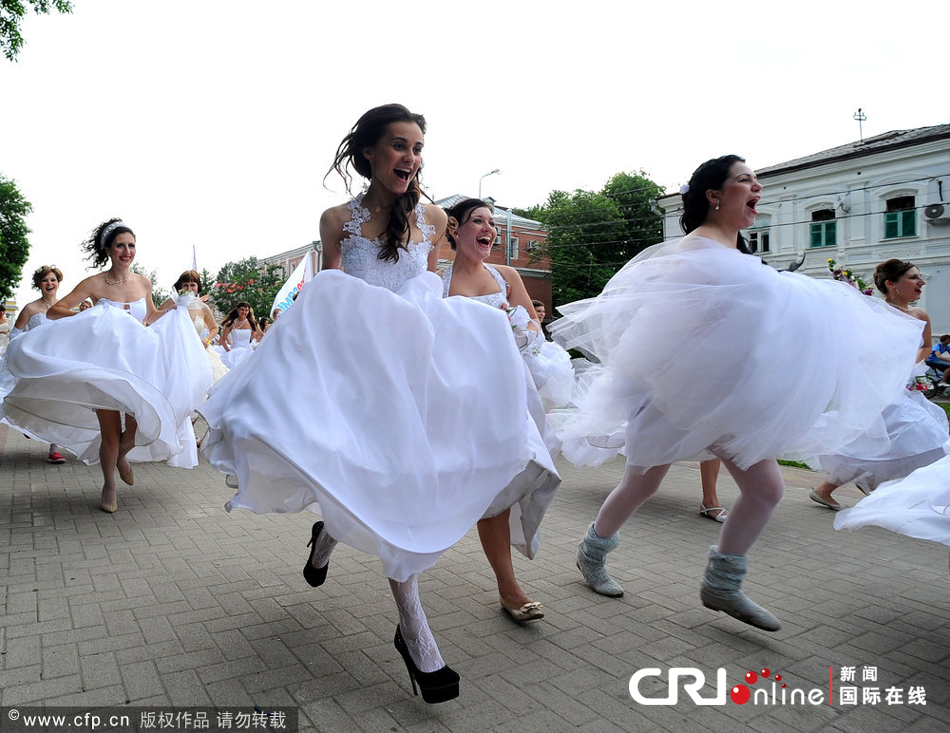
[
  {"x": 590, "y": 561},
  {"x": 720, "y": 591}
]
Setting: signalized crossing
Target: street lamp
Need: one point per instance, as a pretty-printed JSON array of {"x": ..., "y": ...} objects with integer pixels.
[{"x": 490, "y": 173}]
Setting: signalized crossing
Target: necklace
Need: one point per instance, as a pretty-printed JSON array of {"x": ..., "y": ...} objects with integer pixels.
[
  {"x": 116, "y": 282},
  {"x": 240, "y": 324}
]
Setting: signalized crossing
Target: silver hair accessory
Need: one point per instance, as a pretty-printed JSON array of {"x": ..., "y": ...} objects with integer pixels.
[
  {"x": 684, "y": 189},
  {"x": 109, "y": 228}
]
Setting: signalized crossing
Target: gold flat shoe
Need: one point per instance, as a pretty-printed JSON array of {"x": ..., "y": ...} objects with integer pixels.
[
  {"x": 530, "y": 611},
  {"x": 127, "y": 477}
]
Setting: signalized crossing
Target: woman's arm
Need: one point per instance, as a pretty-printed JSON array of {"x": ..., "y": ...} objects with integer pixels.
[
  {"x": 223, "y": 341},
  {"x": 63, "y": 308},
  {"x": 210, "y": 324},
  {"x": 518, "y": 294},
  {"x": 923, "y": 353},
  {"x": 331, "y": 234},
  {"x": 436, "y": 216}
]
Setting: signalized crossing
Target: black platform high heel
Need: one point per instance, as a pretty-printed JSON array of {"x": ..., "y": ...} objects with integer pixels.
[
  {"x": 439, "y": 686},
  {"x": 315, "y": 576}
]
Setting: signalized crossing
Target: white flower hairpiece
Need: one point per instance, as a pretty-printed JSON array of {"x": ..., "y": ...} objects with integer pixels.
[{"x": 684, "y": 189}]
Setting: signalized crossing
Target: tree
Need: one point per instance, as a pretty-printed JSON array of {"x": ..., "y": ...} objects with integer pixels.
[
  {"x": 159, "y": 294},
  {"x": 247, "y": 280},
  {"x": 11, "y": 15},
  {"x": 14, "y": 246},
  {"x": 591, "y": 235}
]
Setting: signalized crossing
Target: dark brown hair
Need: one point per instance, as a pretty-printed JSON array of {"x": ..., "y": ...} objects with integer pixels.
[
  {"x": 368, "y": 131},
  {"x": 890, "y": 270}
]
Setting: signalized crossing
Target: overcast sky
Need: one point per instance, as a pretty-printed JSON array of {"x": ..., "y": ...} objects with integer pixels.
[{"x": 211, "y": 123}]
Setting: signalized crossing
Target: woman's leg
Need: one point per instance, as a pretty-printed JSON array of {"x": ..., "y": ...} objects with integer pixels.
[
  {"x": 110, "y": 426},
  {"x": 126, "y": 443},
  {"x": 415, "y": 627},
  {"x": 495, "y": 536},
  {"x": 823, "y": 494},
  {"x": 632, "y": 493},
  {"x": 760, "y": 489},
  {"x": 709, "y": 475}
]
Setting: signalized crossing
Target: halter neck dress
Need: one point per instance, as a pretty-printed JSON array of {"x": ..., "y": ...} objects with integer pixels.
[{"x": 371, "y": 404}]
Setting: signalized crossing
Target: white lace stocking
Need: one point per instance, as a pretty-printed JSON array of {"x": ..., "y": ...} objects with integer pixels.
[
  {"x": 415, "y": 628},
  {"x": 324, "y": 546}
]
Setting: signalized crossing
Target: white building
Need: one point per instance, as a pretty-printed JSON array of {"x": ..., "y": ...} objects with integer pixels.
[{"x": 860, "y": 204}]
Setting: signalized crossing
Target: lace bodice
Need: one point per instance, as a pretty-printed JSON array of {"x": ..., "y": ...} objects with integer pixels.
[
  {"x": 495, "y": 300},
  {"x": 136, "y": 308},
  {"x": 360, "y": 255},
  {"x": 36, "y": 320}
]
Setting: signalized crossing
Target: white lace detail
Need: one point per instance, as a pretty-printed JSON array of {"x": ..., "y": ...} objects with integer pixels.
[
  {"x": 36, "y": 320},
  {"x": 495, "y": 300},
  {"x": 360, "y": 255}
]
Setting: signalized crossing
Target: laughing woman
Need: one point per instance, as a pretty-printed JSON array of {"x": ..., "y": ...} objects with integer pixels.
[
  {"x": 387, "y": 419},
  {"x": 102, "y": 384},
  {"x": 471, "y": 233}
]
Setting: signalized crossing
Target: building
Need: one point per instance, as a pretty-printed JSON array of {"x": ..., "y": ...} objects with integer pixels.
[
  {"x": 291, "y": 258},
  {"x": 524, "y": 238},
  {"x": 859, "y": 204}
]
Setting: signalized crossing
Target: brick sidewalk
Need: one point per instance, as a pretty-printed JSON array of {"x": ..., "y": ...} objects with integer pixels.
[{"x": 173, "y": 602}]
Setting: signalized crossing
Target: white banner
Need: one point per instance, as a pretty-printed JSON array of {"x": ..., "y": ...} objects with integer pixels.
[{"x": 302, "y": 273}]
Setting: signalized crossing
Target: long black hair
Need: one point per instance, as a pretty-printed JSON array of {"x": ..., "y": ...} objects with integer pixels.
[
  {"x": 368, "y": 131},
  {"x": 710, "y": 175},
  {"x": 97, "y": 245}
]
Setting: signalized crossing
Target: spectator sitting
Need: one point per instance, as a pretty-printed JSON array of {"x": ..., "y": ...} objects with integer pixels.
[{"x": 939, "y": 359}]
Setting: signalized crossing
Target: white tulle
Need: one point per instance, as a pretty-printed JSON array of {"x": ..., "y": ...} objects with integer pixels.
[
  {"x": 104, "y": 358},
  {"x": 916, "y": 436},
  {"x": 702, "y": 347},
  {"x": 240, "y": 348},
  {"x": 399, "y": 417},
  {"x": 916, "y": 506}
]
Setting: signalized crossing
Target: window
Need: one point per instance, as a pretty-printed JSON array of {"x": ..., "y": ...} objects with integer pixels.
[
  {"x": 824, "y": 229},
  {"x": 513, "y": 248},
  {"x": 532, "y": 244},
  {"x": 759, "y": 240},
  {"x": 900, "y": 218}
]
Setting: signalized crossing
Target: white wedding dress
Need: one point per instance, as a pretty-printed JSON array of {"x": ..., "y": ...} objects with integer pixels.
[
  {"x": 372, "y": 404},
  {"x": 104, "y": 358},
  {"x": 703, "y": 347}
]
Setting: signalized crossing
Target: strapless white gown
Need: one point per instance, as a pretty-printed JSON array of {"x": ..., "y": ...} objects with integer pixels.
[{"x": 104, "y": 358}]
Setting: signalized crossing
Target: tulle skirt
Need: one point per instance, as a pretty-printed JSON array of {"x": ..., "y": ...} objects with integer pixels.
[
  {"x": 552, "y": 373},
  {"x": 701, "y": 347},
  {"x": 104, "y": 359},
  {"x": 916, "y": 506},
  {"x": 917, "y": 435},
  {"x": 402, "y": 418}
]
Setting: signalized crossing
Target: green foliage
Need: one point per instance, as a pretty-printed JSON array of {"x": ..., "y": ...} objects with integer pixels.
[
  {"x": 159, "y": 294},
  {"x": 591, "y": 235},
  {"x": 247, "y": 280},
  {"x": 11, "y": 16},
  {"x": 14, "y": 245}
]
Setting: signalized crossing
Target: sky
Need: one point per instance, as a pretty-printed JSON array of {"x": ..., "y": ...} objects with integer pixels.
[{"x": 208, "y": 125}]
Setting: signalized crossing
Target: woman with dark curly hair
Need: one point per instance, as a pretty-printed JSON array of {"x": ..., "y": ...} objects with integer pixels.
[
  {"x": 385, "y": 415},
  {"x": 102, "y": 384},
  {"x": 852, "y": 355},
  {"x": 239, "y": 332}
]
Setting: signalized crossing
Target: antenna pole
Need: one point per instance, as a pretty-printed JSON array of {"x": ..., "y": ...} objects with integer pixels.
[{"x": 860, "y": 117}]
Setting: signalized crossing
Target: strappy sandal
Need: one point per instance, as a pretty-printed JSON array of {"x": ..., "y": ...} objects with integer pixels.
[{"x": 706, "y": 511}]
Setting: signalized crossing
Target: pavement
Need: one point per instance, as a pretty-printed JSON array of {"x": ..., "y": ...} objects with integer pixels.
[{"x": 173, "y": 603}]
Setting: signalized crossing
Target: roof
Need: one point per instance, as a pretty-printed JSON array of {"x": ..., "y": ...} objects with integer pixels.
[
  {"x": 521, "y": 221},
  {"x": 879, "y": 143}
]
